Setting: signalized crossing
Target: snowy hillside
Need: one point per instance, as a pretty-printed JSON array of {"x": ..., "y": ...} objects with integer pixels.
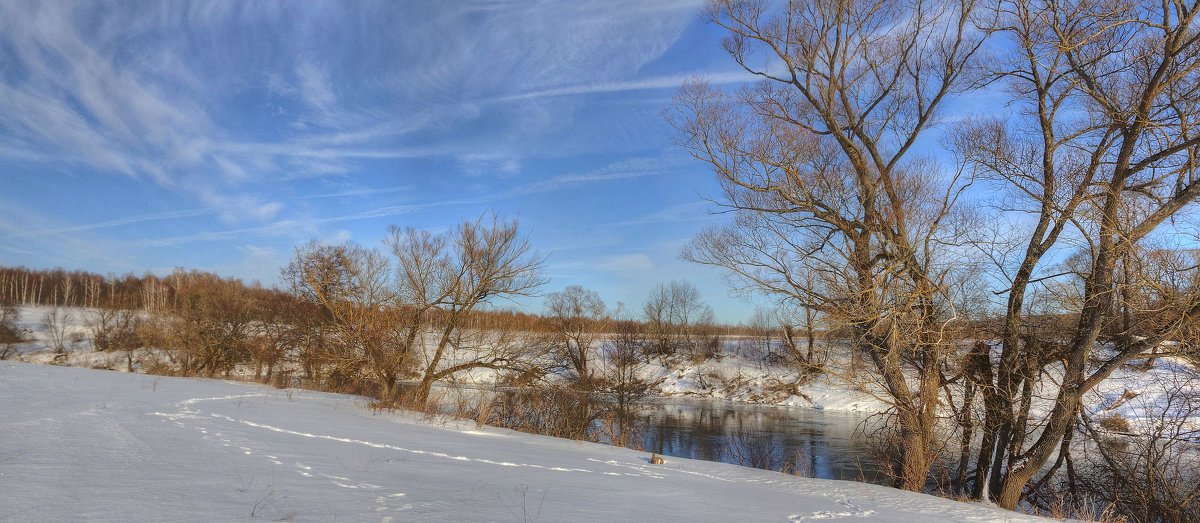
[{"x": 91, "y": 444}]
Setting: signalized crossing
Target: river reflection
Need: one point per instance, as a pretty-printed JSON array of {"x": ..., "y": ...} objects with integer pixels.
[{"x": 806, "y": 442}]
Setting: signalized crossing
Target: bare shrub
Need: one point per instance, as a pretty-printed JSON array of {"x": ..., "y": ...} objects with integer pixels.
[
  {"x": 116, "y": 330},
  {"x": 1062, "y": 508},
  {"x": 56, "y": 323},
  {"x": 159, "y": 364},
  {"x": 10, "y": 334},
  {"x": 761, "y": 451},
  {"x": 282, "y": 380},
  {"x": 553, "y": 410}
]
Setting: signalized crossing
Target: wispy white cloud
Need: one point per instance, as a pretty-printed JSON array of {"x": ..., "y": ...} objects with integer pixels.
[
  {"x": 683, "y": 212},
  {"x": 625, "y": 263},
  {"x": 120, "y": 222},
  {"x": 81, "y": 94},
  {"x": 621, "y": 170},
  {"x": 317, "y": 90},
  {"x": 659, "y": 82},
  {"x": 362, "y": 191},
  {"x": 491, "y": 164},
  {"x": 268, "y": 123},
  {"x": 56, "y": 241}
]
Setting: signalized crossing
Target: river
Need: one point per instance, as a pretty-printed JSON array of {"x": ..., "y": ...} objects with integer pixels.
[{"x": 806, "y": 442}]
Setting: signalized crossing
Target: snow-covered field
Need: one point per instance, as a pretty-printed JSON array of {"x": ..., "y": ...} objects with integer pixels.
[{"x": 92, "y": 444}]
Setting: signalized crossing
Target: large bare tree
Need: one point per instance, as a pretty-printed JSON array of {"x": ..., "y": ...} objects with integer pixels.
[
  {"x": 418, "y": 322},
  {"x": 833, "y": 212},
  {"x": 1103, "y": 156}
]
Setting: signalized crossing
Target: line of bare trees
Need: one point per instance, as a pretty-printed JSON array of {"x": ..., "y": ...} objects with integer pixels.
[
  {"x": 1087, "y": 239},
  {"x": 413, "y": 315},
  {"x": 356, "y": 319},
  {"x": 62, "y": 288}
]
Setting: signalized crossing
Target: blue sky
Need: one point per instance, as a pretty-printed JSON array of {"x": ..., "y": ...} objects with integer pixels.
[{"x": 142, "y": 136}]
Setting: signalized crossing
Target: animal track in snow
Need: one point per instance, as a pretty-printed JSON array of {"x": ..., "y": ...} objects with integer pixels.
[
  {"x": 396, "y": 447},
  {"x": 855, "y": 511}
]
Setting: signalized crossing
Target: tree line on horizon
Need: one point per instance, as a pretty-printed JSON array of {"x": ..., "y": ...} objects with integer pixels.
[
  {"x": 348, "y": 318},
  {"x": 351, "y": 318}
]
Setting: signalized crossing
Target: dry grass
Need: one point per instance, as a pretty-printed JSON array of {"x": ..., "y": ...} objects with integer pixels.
[{"x": 1115, "y": 423}]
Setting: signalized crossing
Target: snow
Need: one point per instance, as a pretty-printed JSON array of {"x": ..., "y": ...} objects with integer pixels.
[
  {"x": 734, "y": 377},
  {"x": 30, "y": 320},
  {"x": 79, "y": 443},
  {"x": 1148, "y": 396}
]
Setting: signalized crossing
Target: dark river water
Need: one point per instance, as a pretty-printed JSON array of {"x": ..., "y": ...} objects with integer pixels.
[{"x": 806, "y": 442}]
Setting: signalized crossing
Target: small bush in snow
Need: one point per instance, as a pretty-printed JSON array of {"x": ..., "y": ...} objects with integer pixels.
[
  {"x": 1115, "y": 423},
  {"x": 10, "y": 335}
]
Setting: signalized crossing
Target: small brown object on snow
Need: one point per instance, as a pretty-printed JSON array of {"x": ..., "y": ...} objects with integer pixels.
[{"x": 655, "y": 459}]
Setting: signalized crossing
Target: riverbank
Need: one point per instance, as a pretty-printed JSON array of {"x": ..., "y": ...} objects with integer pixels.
[{"x": 1139, "y": 394}]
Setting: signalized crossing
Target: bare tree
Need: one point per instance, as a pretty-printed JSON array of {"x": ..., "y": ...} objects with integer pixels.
[
  {"x": 279, "y": 334},
  {"x": 1109, "y": 97},
  {"x": 625, "y": 377},
  {"x": 419, "y": 321},
  {"x": 57, "y": 323},
  {"x": 804, "y": 355},
  {"x": 831, "y": 212},
  {"x": 210, "y": 326},
  {"x": 352, "y": 286},
  {"x": 116, "y": 329},
  {"x": 10, "y": 334},
  {"x": 577, "y": 316},
  {"x": 477, "y": 264},
  {"x": 676, "y": 314}
]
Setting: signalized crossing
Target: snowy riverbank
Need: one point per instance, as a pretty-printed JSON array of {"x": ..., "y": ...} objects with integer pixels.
[{"x": 1137, "y": 393}]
